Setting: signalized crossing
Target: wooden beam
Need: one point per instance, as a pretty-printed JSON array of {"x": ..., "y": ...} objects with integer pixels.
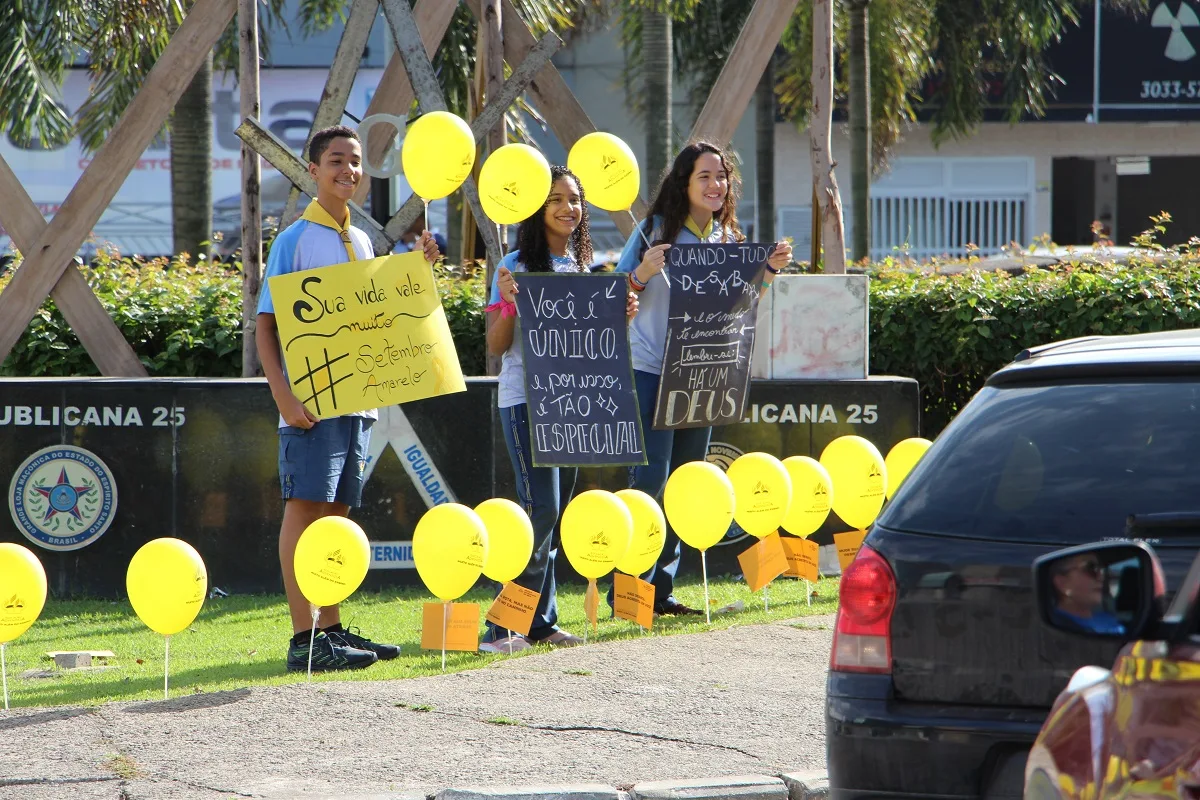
[
  {"x": 394, "y": 93},
  {"x": 338, "y": 84},
  {"x": 272, "y": 148},
  {"x": 250, "y": 97},
  {"x": 731, "y": 94},
  {"x": 80, "y": 307}
]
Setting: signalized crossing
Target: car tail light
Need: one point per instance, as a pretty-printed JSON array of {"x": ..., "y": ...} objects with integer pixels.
[{"x": 862, "y": 639}]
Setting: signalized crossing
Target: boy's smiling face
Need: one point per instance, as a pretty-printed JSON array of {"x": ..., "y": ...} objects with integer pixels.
[{"x": 339, "y": 171}]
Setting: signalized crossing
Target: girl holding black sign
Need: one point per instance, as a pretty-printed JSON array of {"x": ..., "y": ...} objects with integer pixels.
[
  {"x": 556, "y": 239},
  {"x": 696, "y": 203}
]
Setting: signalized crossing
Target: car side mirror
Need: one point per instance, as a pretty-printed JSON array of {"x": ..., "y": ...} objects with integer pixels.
[{"x": 1106, "y": 590}]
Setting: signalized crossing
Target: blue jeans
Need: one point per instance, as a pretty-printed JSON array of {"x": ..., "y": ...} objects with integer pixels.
[
  {"x": 665, "y": 451},
  {"x": 543, "y": 492}
]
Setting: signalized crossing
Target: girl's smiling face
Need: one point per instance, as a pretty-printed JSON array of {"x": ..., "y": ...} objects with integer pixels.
[
  {"x": 707, "y": 187},
  {"x": 564, "y": 208}
]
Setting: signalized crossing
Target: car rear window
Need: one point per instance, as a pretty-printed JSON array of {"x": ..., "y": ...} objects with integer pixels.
[{"x": 1061, "y": 463}]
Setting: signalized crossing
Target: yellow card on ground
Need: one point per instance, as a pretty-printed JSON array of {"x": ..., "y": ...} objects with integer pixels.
[
  {"x": 802, "y": 557},
  {"x": 633, "y": 599},
  {"x": 847, "y": 546},
  {"x": 763, "y": 562},
  {"x": 513, "y": 608},
  {"x": 461, "y": 625},
  {"x": 365, "y": 334}
]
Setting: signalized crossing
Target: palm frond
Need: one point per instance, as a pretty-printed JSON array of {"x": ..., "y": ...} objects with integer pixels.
[{"x": 38, "y": 41}]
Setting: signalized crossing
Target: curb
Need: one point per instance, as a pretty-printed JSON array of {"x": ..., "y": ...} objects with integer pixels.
[{"x": 786, "y": 786}]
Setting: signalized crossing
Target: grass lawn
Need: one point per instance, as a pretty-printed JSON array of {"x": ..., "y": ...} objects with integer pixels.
[{"x": 240, "y": 641}]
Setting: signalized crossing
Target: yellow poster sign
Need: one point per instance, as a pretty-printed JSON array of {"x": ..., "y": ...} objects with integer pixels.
[{"x": 365, "y": 334}]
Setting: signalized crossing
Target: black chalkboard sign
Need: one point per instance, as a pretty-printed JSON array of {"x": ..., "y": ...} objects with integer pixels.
[
  {"x": 583, "y": 410},
  {"x": 710, "y": 333}
]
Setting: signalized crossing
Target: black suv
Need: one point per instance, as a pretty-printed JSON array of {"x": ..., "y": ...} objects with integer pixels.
[{"x": 941, "y": 672}]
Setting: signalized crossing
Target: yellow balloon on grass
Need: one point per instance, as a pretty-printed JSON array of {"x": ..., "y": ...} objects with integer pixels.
[
  {"x": 607, "y": 169},
  {"x": 332, "y": 558},
  {"x": 166, "y": 582},
  {"x": 438, "y": 154},
  {"x": 22, "y": 590},
  {"x": 596, "y": 531},
  {"x": 900, "y": 460},
  {"x": 859, "y": 477},
  {"x": 763, "y": 492},
  {"x": 699, "y": 502},
  {"x": 450, "y": 547},
  {"x": 812, "y": 493},
  {"x": 649, "y": 532},
  {"x": 513, "y": 184},
  {"x": 510, "y": 538}
]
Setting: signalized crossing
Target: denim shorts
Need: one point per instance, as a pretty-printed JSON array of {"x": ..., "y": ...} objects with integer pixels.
[{"x": 327, "y": 462}]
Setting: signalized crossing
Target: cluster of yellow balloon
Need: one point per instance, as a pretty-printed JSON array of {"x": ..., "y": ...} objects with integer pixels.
[
  {"x": 513, "y": 183},
  {"x": 167, "y": 583},
  {"x": 438, "y": 155},
  {"x": 22, "y": 597},
  {"x": 597, "y": 529}
]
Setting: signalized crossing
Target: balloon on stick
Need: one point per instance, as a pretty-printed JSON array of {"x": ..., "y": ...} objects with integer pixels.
[
  {"x": 438, "y": 154},
  {"x": 596, "y": 531},
  {"x": 699, "y": 502},
  {"x": 609, "y": 172},
  {"x": 812, "y": 491},
  {"x": 331, "y": 560},
  {"x": 510, "y": 538},
  {"x": 762, "y": 489},
  {"x": 900, "y": 460},
  {"x": 649, "y": 532},
  {"x": 22, "y": 598},
  {"x": 450, "y": 547},
  {"x": 514, "y": 183},
  {"x": 859, "y": 476},
  {"x": 166, "y": 582}
]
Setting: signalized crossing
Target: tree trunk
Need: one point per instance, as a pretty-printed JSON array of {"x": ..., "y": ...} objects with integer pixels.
[
  {"x": 191, "y": 165},
  {"x": 833, "y": 235},
  {"x": 764, "y": 146},
  {"x": 248, "y": 92},
  {"x": 491, "y": 50},
  {"x": 860, "y": 128},
  {"x": 658, "y": 63}
]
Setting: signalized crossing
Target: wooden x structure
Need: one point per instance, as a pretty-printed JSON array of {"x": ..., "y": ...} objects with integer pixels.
[{"x": 49, "y": 248}]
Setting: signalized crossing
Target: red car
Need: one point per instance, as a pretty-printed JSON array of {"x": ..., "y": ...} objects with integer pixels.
[{"x": 1132, "y": 732}]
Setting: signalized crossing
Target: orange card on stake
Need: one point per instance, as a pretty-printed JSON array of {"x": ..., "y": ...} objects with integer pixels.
[
  {"x": 513, "y": 608},
  {"x": 847, "y": 546},
  {"x": 801, "y": 556},
  {"x": 462, "y": 626},
  {"x": 633, "y": 599},
  {"x": 763, "y": 562}
]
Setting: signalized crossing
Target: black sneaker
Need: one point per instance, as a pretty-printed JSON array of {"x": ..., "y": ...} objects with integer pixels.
[
  {"x": 327, "y": 655},
  {"x": 350, "y": 637}
]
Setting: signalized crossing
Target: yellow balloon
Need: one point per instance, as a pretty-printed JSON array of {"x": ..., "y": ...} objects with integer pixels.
[
  {"x": 607, "y": 169},
  {"x": 596, "y": 532},
  {"x": 22, "y": 590},
  {"x": 812, "y": 492},
  {"x": 166, "y": 582},
  {"x": 510, "y": 538},
  {"x": 859, "y": 476},
  {"x": 699, "y": 502},
  {"x": 649, "y": 532},
  {"x": 332, "y": 558},
  {"x": 438, "y": 154},
  {"x": 901, "y": 459},
  {"x": 763, "y": 492},
  {"x": 450, "y": 547},
  {"x": 514, "y": 184}
]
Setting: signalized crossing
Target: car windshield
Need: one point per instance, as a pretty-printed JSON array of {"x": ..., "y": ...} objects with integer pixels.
[{"x": 1066, "y": 463}]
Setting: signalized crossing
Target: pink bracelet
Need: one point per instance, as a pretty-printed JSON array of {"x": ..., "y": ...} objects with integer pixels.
[{"x": 505, "y": 308}]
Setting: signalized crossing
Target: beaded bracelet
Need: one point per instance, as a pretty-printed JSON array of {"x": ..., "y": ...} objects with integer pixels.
[{"x": 635, "y": 284}]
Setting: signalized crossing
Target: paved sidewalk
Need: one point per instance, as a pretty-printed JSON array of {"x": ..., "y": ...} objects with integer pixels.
[{"x": 615, "y": 716}]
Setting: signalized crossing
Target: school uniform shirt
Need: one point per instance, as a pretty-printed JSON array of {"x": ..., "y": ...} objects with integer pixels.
[
  {"x": 510, "y": 386},
  {"x": 314, "y": 240},
  {"x": 648, "y": 330}
]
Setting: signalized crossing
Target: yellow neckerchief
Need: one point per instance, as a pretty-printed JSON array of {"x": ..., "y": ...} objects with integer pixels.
[
  {"x": 702, "y": 235},
  {"x": 316, "y": 213}
]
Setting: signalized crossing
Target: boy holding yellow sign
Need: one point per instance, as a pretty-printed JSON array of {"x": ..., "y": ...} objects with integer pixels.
[{"x": 321, "y": 462}]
